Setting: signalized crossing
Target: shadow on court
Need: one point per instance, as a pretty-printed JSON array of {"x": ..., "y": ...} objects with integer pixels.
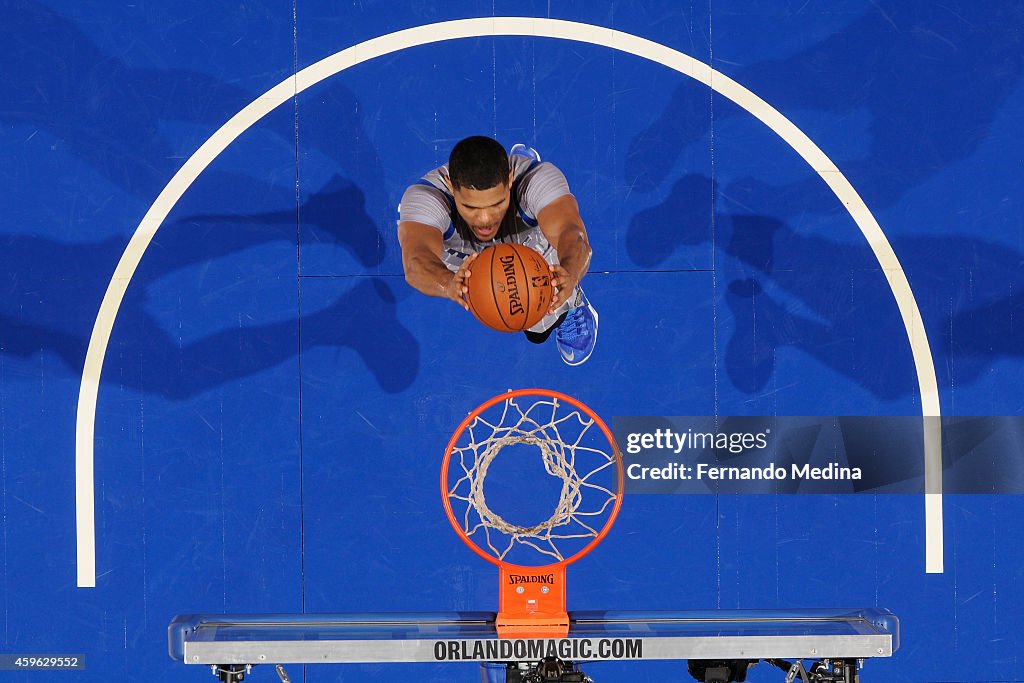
[
  {"x": 964, "y": 59},
  {"x": 336, "y": 214},
  {"x": 114, "y": 117},
  {"x": 42, "y": 312},
  {"x": 971, "y": 302}
]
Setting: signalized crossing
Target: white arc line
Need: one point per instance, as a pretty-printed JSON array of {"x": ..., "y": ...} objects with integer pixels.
[{"x": 479, "y": 28}]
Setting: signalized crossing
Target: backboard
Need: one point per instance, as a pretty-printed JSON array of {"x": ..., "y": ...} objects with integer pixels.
[{"x": 816, "y": 634}]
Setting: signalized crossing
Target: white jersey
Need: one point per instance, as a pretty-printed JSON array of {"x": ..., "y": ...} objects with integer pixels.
[{"x": 535, "y": 184}]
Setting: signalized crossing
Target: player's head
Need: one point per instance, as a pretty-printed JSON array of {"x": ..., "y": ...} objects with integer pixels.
[{"x": 480, "y": 181}]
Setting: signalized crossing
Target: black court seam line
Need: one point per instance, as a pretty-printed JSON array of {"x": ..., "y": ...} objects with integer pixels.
[{"x": 298, "y": 322}]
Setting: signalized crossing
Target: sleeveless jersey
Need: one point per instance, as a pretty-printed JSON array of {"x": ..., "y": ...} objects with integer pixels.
[{"x": 535, "y": 184}]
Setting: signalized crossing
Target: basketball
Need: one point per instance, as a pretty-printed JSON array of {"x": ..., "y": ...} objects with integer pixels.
[{"x": 509, "y": 287}]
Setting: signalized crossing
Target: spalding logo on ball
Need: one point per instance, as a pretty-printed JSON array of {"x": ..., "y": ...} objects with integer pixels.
[{"x": 509, "y": 287}]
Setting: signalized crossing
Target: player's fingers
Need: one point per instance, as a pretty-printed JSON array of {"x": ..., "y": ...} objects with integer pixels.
[
  {"x": 556, "y": 301},
  {"x": 558, "y": 274},
  {"x": 463, "y": 270}
]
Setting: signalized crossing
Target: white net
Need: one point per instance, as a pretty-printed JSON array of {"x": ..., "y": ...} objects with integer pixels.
[{"x": 572, "y": 448}]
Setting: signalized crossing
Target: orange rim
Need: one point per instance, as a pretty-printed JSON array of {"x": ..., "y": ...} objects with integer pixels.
[{"x": 616, "y": 455}]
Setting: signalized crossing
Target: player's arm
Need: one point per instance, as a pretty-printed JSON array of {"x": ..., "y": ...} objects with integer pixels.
[
  {"x": 424, "y": 270},
  {"x": 562, "y": 226}
]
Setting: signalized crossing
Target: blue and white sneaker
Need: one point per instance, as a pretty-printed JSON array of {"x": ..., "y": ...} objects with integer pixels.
[
  {"x": 521, "y": 150},
  {"x": 576, "y": 337}
]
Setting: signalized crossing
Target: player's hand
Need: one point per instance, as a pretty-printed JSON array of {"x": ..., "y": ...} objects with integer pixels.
[
  {"x": 564, "y": 283},
  {"x": 458, "y": 286}
]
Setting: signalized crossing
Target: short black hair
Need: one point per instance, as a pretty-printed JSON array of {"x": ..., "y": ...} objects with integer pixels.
[{"x": 478, "y": 163}]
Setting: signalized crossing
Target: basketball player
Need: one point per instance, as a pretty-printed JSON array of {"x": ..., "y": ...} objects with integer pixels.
[{"x": 483, "y": 196}]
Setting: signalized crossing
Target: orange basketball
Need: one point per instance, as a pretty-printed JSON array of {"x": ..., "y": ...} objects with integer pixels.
[{"x": 509, "y": 287}]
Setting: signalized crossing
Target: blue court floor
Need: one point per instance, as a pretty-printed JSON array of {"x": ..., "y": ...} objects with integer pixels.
[{"x": 261, "y": 426}]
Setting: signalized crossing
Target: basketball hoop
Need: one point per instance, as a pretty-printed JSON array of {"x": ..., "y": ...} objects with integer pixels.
[{"x": 578, "y": 451}]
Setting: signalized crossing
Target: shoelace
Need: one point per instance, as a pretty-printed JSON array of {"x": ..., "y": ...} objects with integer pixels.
[{"x": 574, "y": 327}]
